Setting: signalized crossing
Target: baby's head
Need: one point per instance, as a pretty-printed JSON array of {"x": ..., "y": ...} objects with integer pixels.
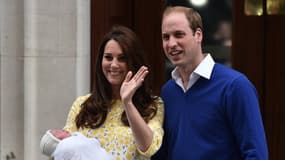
[{"x": 48, "y": 143}]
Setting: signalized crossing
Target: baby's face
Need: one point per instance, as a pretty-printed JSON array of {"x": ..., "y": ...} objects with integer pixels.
[{"x": 60, "y": 134}]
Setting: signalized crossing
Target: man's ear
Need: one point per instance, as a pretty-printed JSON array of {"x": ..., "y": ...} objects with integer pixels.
[{"x": 198, "y": 34}]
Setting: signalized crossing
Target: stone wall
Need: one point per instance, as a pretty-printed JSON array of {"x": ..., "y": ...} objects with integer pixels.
[{"x": 44, "y": 66}]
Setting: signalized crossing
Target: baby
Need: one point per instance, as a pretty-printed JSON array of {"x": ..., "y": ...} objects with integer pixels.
[
  {"x": 50, "y": 140},
  {"x": 62, "y": 145}
]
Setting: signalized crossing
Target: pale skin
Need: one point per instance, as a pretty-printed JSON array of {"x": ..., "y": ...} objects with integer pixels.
[
  {"x": 181, "y": 44},
  {"x": 60, "y": 134},
  {"x": 124, "y": 85},
  {"x": 142, "y": 133}
]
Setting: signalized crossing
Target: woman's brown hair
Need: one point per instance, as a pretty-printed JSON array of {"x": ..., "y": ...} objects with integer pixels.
[{"x": 95, "y": 109}]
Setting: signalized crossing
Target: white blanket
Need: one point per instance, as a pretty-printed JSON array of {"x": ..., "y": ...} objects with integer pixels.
[{"x": 79, "y": 147}]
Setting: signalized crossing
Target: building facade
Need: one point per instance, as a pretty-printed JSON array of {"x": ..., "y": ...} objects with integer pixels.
[{"x": 44, "y": 66}]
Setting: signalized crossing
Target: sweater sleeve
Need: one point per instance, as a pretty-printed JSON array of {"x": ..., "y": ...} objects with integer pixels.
[
  {"x": 245, "y": 119},
  {"x": 155, "y": 125},
  {"x": 70, "y": 124}
]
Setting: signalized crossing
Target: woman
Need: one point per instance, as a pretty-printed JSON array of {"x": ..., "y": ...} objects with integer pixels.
[{"x": 120, "y": 112}]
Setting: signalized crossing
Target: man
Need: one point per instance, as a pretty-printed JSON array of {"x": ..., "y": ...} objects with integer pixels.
[{"x": 211, "y": 111}]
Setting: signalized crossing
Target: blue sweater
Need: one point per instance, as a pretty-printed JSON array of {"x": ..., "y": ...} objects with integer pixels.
[{"x": 216, "y": 119}]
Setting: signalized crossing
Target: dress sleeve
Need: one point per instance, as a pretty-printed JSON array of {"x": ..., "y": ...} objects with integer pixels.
[
  {"x": 155, "y": 125},
  {"x": 70, "y": 125}
]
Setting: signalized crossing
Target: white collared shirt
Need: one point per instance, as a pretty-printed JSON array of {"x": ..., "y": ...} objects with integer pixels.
[{"x": 204, "y": 69}]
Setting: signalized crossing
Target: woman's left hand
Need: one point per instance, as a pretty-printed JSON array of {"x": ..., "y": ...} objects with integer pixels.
[
  {"x": 131, "y": 84},
  {"x": 60, "y": 134}
]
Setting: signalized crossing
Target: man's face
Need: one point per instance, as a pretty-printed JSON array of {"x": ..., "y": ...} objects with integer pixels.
[{"x": 181, "y": 46}]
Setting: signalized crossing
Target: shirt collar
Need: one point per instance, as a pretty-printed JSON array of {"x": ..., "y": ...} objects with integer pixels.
[{"x": 204, "y": 69}]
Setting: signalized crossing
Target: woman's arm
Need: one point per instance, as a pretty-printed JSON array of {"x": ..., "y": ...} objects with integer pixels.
[{"x": 141, "y": 131}]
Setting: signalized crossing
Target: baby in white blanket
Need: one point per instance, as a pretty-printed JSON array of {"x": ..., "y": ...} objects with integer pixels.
[{"x": 63, "y": 146}]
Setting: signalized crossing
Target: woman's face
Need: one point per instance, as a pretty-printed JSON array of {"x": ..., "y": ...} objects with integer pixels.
[{"x": 114, "y": 64}]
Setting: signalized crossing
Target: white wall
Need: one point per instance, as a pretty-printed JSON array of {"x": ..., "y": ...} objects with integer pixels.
[
  {"x": 44, "y": 66},
  {"x": 11, "y": 78}
]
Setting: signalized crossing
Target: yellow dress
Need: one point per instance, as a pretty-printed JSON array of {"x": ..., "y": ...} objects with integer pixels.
[{"x": 116, "y": 138}]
